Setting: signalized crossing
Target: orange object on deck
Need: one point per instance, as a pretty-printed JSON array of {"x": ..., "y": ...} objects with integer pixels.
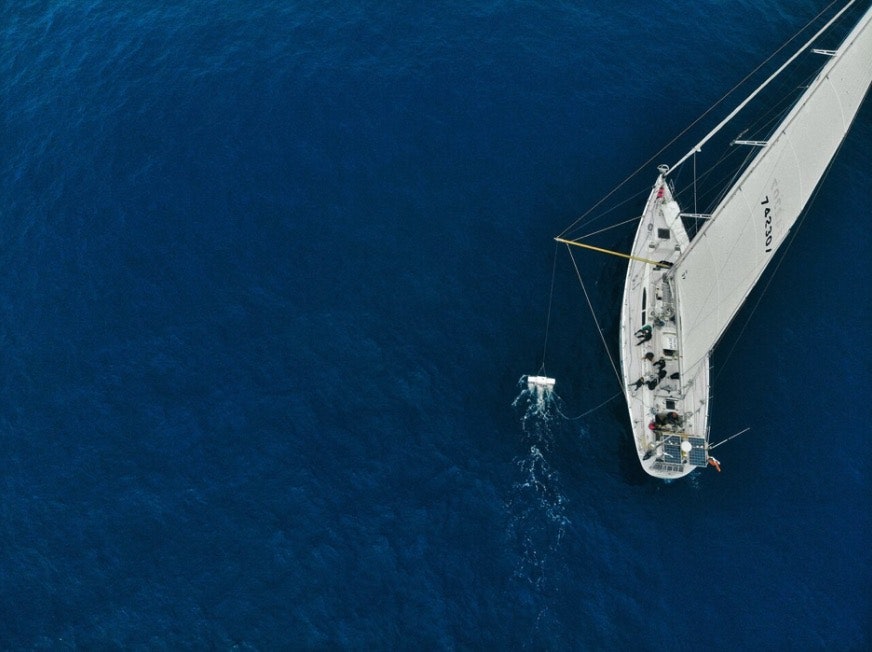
[{"x": 715, "y": 463}]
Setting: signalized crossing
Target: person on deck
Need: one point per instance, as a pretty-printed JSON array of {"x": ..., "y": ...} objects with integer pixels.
[{"x": 644, "y": 334}]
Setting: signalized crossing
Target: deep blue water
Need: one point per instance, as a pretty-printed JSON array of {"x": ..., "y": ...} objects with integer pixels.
[{"x": 270, "y": 275}]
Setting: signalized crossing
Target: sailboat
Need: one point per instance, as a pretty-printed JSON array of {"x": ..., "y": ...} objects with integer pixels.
[{"x": 681, "y": 293}]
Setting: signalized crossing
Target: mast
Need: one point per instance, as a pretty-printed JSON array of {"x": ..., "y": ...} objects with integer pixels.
[
  {"x": 714, "y": 275},
  {"x": 696, "y": 148}
]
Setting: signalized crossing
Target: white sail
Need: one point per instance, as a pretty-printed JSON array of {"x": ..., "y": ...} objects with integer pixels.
[
  {"x": 725, "y": 260},
  {"x": 681, "y": 295}
]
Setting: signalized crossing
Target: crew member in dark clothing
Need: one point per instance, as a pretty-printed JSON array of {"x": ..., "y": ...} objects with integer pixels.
[
  {"x": 661, "y": 374},
  {"x": 660, "y": 363},
  {"x": 653, "y": 383},
  {"x": 675, "y": 376},
  {"x": 644, "y": 334},
  {"x": 637, "y": 384}
]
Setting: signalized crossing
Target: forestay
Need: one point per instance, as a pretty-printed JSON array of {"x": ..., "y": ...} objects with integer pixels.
[{"x": 726, "y": 258}]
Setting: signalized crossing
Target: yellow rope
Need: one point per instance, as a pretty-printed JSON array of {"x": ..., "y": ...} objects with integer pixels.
[{"x": 613, "y": 253}]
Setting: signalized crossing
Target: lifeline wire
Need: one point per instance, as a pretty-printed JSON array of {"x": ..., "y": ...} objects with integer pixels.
[{"x": 584, "y": 414}]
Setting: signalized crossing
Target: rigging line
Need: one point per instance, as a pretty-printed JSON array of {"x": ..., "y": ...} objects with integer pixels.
[
  {"x": 584, "y": 414},
  {"x": 633, "y": 198},
  {"x": 720, "y": 183},
  {"x": 612, "y": 209},
  {"x": 695, "y": 209},
  {"x": 741, "y": 432},
  {"x": 548, "y": 317},
  {"x": 693, "y": 124},
  {"x": 595, "y": 320},
  {"x": 723, "y": 182},
  {"x": 704, "y": 177},
  {"x": 775, "y": 74},
  {"x": 603, "y": 230},
  {"x": 780, "y": 260},
  {"x": 750, "y": 157},
  {"x": 762, "y": 124},
  {"x": 777, "y": 110}
]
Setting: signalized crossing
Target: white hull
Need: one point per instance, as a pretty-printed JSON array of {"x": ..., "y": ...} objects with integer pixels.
[
  {"x": 681, "y": 296},
  {"x": 686, "y": 303},
  {"x": 668, "y": 447}
]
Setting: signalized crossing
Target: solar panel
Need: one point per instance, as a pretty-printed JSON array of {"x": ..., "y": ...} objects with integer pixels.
[
  {"x": 668, "y": 468},
  {"x": 672, "y": 449},
  {"x": 698, "y": 455}
]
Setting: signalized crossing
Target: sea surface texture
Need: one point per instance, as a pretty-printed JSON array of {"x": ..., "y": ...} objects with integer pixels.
[{"x": 270, "y": 273}]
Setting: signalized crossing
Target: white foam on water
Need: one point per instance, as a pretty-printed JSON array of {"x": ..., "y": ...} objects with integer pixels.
[{"x": 537, "y": 504}]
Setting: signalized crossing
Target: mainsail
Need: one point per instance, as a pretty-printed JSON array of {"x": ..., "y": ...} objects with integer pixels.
[
  {"x": 716, "y": 273},
  {"x": 680, "y": 295}
]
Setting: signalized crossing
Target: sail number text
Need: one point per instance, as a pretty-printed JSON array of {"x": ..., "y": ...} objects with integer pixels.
[{"x": 768, "y": 214}]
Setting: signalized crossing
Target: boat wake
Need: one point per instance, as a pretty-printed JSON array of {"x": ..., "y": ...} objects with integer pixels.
[{"x": 537, "y": 504}]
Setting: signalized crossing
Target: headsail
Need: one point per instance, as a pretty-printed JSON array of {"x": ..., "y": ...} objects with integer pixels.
[{"x": 727, "y": 257}]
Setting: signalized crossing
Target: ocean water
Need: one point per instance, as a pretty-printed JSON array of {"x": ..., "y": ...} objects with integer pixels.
[{"x": 270, "y": 274}]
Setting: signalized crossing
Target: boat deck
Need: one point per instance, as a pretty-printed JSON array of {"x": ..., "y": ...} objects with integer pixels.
[{"x": 668, "y": 412}]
